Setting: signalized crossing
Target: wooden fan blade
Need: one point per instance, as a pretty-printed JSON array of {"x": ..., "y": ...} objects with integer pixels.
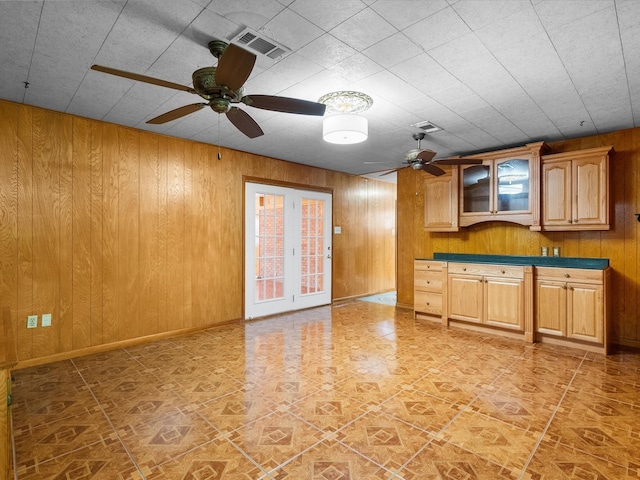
[
  {"x": 458, "y": 161},
  {"x": 141, "y": 78},
  {"x": 426, "y": 155},
  {"x": 432, "y": 169},
  {"x": 234, "y": 67},
  {"x": 177, "y": 113},
  {"x": 243, "y": 122},
  {"x": 285, "y": 104}
]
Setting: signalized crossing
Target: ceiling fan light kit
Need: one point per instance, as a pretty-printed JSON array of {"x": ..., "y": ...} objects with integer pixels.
[{"x": 345, "y": 127}]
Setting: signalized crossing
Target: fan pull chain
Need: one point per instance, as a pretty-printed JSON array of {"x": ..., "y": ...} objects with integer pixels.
[{"x": 219, "y": 154}]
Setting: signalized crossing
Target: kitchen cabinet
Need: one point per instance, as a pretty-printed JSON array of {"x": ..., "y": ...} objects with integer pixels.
[
  {"x": 575, "y": 190},
  {"x": 492, "y": 295},
  {"x": 441, "y": 201},
  {"x": 505, "y": 187},
  {"x": 571, "y": 304},
  {"x": 429, "y": 288}
]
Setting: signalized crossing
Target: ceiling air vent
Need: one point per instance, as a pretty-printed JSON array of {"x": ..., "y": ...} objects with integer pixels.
[
  {"x": 428, "y": 127},
  {"x": 258, "y": 43}
]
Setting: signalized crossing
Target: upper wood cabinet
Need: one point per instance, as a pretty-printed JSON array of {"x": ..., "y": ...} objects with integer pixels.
[
  {"x": 441, "y": 201},
  {"x": 505, "y": 187},
  {"x": 575, "y": 190}
]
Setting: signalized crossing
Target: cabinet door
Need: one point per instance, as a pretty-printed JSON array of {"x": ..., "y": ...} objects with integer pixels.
[
  {"x": 556, "y": 193},
  {"x": 585, "y": 312},
  {"x": 551, "y": 307},
  {"x": 477, "y": 190},
  {"x": 504, "y": 302},
  {"x": 513, "y": 184},
  {"x": 441, "y": 202},
  {"x": 590, "y": 191},
  {"x": 465, "y": 297}
]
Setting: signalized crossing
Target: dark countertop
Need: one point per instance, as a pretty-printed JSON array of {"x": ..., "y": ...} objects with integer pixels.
[{"x": 537, "y": 261}]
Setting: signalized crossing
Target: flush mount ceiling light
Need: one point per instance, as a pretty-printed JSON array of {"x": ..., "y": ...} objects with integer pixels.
[{"x": 345, "y": 126}]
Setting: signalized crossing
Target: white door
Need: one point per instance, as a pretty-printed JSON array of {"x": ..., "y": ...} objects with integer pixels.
[{"x": 287, "y": 249}]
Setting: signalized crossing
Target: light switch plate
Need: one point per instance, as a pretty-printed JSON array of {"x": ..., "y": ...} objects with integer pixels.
[
  {"x": 46, "y": 319},
  {"x": 32, "y": 321}
]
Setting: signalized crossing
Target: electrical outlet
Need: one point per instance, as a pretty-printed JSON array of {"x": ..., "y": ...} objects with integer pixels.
[
  {"x": 32, "y": 321},
  {"x": 556, "y": 251},
  {"x": 46, "y": 319}
]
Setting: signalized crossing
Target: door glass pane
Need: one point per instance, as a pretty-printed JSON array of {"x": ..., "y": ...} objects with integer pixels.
[
  {"x": 476, "y": 188},
  {"x": 312, "y": 253},
  {"x": 513, "y": 185},
  {"x": 269, "y": 247}
]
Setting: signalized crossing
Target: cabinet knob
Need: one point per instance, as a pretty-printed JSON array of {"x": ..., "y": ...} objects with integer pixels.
[
  {"x": 464, "y": 269},
  {"x": 564, "y": 287},
  {"x": 428, "y": 266},
  {"x": 567, "y": 275},
  {"x": 570, "y": 287},
  {"x": 428, "y": 303},
  {"x": 569, "y": 221},
  {"x": 428, "y": 282},
  {"x": 575, "y": 220},
  {"x": 486, "y": 281},
  {"x": 502, "y": 271}
]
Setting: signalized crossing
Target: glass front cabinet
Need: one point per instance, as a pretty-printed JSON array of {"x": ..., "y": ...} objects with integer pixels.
[{"x": 505, "y": 187}]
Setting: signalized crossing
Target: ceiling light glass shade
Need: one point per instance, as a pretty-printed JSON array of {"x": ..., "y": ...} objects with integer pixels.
[{"x": 345, "y": 129}]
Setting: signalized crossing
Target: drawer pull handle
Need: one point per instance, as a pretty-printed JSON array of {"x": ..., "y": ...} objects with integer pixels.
[{"x": 567, "y": 275}]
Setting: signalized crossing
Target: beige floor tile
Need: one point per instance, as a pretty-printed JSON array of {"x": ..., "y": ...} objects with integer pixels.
[
  {"x": 356, "y": 390},
  {"x": 499, "y": 442}
]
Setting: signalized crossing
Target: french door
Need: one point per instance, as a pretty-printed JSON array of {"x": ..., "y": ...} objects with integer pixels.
[{"x": 287, "y": 249}]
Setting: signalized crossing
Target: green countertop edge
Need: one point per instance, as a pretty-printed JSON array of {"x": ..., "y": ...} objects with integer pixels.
[{"x": 536, "y": 261}]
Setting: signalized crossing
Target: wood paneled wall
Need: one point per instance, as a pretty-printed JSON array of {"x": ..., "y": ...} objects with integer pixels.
[
  {"x": 621, "y": 244},
  {"x": 122, "y": 234}
]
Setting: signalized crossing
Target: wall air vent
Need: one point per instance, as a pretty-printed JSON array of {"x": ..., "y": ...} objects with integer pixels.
[
  {"x": 428, "y": 127},
  {"x": 260, "y": 44}
]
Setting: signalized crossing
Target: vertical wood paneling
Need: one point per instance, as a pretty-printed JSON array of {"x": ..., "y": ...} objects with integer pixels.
[
  {"x": 25, "y": 231},
  {"x": 64, "y": 330},
  {"x": 110, "y": 234},
  {"x": 163, "y": 221},
  {"x": 128, "y": 235},
  {"x": 81, "y": 236},
  {"x": 188, "y": 252},
  {"x": 149, "y": 234},
  {"x": 120, "y": 233},
  {"x": 175, "y": 233},
  {"x": 630, "y": 187},
  {"x": 96, "y": 225},
  {"x": 8, "y": 213}
]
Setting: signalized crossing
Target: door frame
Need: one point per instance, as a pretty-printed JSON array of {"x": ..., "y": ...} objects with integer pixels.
[{"x": 275, "y": 183}]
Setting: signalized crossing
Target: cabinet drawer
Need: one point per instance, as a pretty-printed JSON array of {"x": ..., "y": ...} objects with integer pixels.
[
  {"x": 428, "y": 265},
  {"x": 507, "y": 271},
  {"x": 427, "y": 281},
  {"x": 581, "y": 275},
  {"x": 427, "y": 302}
]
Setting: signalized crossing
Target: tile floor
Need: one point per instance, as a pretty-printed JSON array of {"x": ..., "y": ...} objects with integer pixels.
[{"x": 355, "y": 391}]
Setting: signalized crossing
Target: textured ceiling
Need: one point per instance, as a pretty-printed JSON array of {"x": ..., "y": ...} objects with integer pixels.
[{"x": 491, "y": 74}]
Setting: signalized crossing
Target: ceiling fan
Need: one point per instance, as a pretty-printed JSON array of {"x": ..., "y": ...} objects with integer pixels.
[
  {"x": 423, "y": 159},
  {"x": 222, "y": 87}
]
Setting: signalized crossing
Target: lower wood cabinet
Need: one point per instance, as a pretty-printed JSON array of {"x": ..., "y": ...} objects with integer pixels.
[
  {"x": 571, "y": 304},
  {"x": 429, "y": 279},
  {"x": 558, "y": 305},
  {"x": 487, "y": 294}
]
